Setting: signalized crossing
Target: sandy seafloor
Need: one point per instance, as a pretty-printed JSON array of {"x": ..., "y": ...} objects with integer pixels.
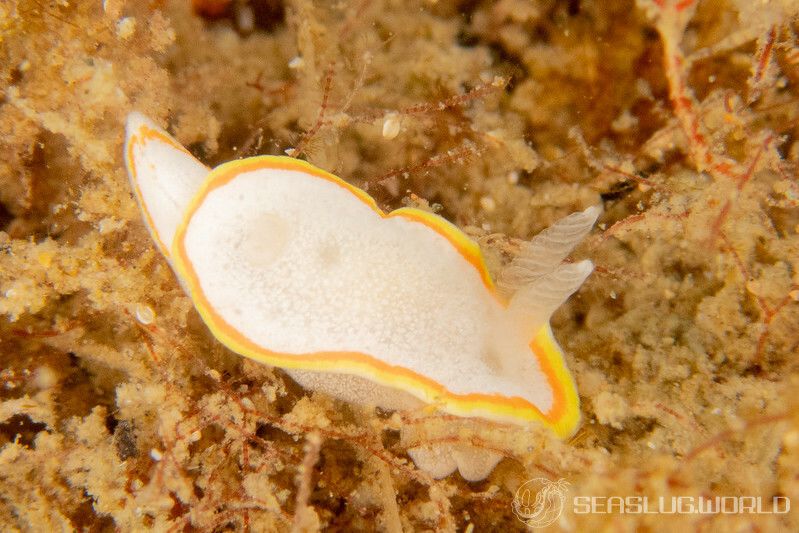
[{"x": 119, "y": 411}]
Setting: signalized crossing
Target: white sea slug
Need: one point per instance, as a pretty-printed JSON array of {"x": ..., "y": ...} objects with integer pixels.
[{"x": 293, "y": 267}]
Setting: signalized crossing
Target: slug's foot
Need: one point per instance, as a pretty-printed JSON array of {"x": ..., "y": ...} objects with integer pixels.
[{"x": 440, "y": 460}]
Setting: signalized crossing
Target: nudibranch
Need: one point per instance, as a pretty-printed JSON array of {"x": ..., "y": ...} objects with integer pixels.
[{"x": 291, "y": 266}]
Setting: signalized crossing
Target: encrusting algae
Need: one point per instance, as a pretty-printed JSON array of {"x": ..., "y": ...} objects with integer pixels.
[{"x": 121, "y": 411}]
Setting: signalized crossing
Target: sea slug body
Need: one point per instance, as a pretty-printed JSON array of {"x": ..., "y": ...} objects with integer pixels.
[{"x": 293, "y": 267}]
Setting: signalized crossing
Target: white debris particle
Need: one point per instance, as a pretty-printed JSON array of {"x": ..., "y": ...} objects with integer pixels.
[
  {"x": 125, "y": 27},
  {"x": 145, "y": 314},
  {"x": 391, "y": 126}
]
